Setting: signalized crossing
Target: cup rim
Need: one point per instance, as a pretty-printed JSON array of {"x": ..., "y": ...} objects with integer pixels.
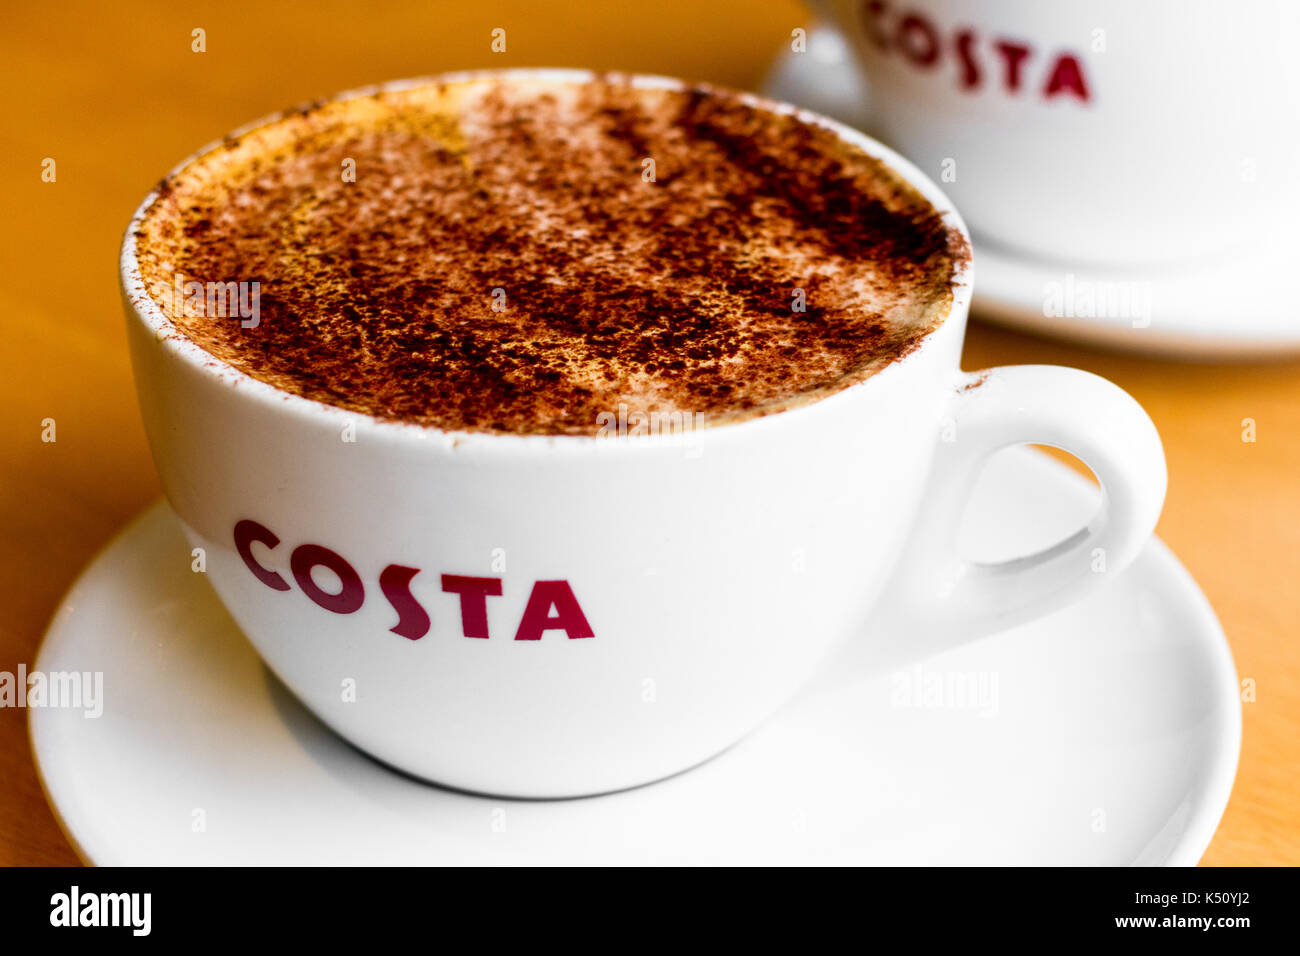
[{"x": 179, "y": 346}]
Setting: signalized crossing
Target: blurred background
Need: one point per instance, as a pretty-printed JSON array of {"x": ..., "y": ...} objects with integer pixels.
[{"x": 115, "y": 94}]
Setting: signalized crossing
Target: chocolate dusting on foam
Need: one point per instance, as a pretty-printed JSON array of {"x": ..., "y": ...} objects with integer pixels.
[{"x": 502, "y": 262}]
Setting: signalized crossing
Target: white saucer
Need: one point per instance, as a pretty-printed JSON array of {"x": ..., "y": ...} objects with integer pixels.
[
  {"x": 1239, "y": 307},
  {"x": 1107, "y": 734}
]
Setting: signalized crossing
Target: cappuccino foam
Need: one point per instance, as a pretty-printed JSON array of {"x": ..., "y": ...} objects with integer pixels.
[{"x": 519, "y": 253}]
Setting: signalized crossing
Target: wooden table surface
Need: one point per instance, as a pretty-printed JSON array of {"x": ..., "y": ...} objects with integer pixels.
[{"x": 115, "y": 94}]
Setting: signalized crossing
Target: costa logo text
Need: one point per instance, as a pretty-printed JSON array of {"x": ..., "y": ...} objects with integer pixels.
[
  {"x": 551, "y": 606},
  {"x": 980, "y": 62}
]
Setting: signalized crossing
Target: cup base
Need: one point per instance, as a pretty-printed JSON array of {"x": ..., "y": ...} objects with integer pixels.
[{"x": 858, "y": 769}]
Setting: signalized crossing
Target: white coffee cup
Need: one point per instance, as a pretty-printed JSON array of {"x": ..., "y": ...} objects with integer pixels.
[
  {"x": 710, "y": 576},
  {"x": 1109, "y": 132}
]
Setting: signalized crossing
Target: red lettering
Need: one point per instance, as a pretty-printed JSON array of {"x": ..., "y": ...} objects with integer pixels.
[
  {"x": 246, "y": 532},
  {"x": 1012, "y": 55},
  {"x": 473, "y": 601},
  {"x": 1067, "y": 76},
  {"x": 351, "y": 595},
  {"x": 412, "y": 619},
  {"x": 916, "y": 29},
  {"x": 568, "y": 615},
  {"x": 970, "y": 73},
  {"x": 551, "y": 606}
]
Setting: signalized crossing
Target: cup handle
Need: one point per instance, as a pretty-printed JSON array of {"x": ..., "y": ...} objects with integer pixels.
[{"x": 944, "y": 600}]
